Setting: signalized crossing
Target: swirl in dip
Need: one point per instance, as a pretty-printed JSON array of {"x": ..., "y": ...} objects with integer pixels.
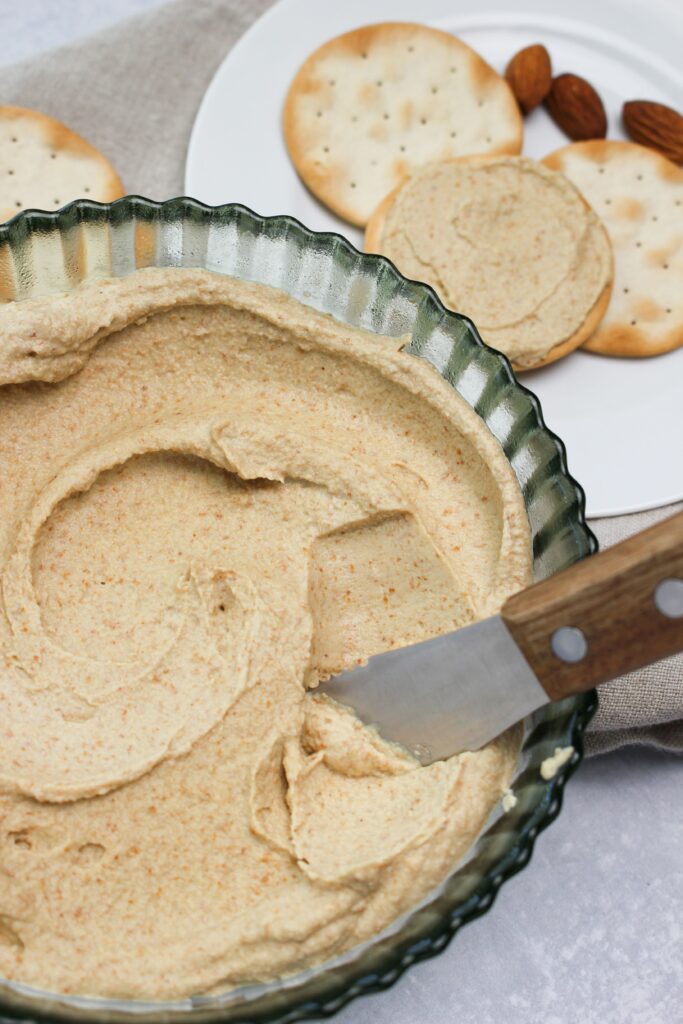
[{"x": 212, "y": 497}]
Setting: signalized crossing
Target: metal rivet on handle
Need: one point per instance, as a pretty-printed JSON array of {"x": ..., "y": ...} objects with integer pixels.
[
  {"x": 669, "y": 598},
  {"x": 569, "y": 644}
]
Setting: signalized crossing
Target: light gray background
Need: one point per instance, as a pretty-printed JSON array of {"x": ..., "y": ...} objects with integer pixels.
[{"x": 592, "y": 931}]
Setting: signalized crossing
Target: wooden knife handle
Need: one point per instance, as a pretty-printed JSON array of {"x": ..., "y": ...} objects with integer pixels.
[{"x": 611, "y": 602}]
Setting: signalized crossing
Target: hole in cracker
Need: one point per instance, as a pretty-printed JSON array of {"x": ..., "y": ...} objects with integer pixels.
[
  {"x": 668, "y": 310},
  {"x": 56, "y": 201},
  {"x": 18, "y": 204},
  {"x": 86, "y": 189},
  {"x": 608, "y": 202},
  {"x": 655, "y": 217},
  {"x": 638, "y": 245},
  {"x": 14, "y": 138},
  {"x": 355, "y": 117},
  {"x": 353, "y": 184},
  {"x": 386, "y": 117},
  {"x": 480, "y": 103},
  {"x": 626, "y": 291},
  {"x": 10, "y": 172},
  {"x": 402, "y": 148},
  {"x": 639, "y": 177},
  {"x": 411, "y": 49},
  {"x": 332, "y": 81},
  {"x": 326, "y": 149},
  {"x": 319, "y": 113},
  {"x": 434, "y": 90},
  {"x": 364, "y": 56},
  {"x": 453, "y": 70},
  {"x": 423, "y": 120},
  {"x": 454, "y": 135},
  {"x": 488, "y": 139},
  {"x": 380, "y": 82},
  {"x": 601, "y": 170},
  {"x": 633, "y": 323},
  {"x": 665, "y": 266}
]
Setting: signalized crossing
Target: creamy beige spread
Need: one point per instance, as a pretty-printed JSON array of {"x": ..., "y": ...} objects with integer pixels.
[
  {"x": 212, "y": 497},
  {"x": 551, "y": 765},
  {"x": 506, "y": 241}
]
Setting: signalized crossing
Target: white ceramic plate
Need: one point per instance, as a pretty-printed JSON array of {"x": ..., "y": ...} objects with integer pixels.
[{"x": 621, "y": 420}]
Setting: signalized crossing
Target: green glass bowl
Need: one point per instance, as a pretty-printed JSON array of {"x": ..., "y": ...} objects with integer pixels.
[{"x": 44, "y": 253}]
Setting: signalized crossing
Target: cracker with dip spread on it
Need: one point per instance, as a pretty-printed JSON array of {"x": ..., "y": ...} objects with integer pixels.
[{"x": 507, "y": 242}]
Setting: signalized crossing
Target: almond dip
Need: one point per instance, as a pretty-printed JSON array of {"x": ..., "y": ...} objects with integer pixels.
[{"x": 212, "y": 498}]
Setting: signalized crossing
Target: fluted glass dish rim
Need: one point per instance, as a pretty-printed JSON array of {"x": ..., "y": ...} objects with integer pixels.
[{"x": 49, "y": 252}]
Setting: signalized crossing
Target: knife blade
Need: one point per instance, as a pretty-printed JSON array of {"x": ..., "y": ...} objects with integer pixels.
[
  {"x": 475, "y": 681},
  {"x": 600, "y": 618}
]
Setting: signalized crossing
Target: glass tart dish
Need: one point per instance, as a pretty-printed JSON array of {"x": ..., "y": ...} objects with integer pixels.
[{"x": 44, "y": 254}]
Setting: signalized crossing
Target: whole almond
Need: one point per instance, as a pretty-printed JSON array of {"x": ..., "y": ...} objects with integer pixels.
[
  {"x": 655, "y": 125},
  {"x": 529, "y": 75},
  {"x": 576, "y": 108}
]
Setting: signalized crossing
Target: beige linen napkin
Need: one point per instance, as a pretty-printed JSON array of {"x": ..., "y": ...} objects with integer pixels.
[{"x": 133, "y": 91}]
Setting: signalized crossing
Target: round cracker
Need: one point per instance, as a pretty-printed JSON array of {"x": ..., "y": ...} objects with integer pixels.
[
  {"x": 368, "y": 105},
  {"x": 595, "y": 302},
  {"x": 639, "y": 196},
  {"x": 44, "y": 164}
]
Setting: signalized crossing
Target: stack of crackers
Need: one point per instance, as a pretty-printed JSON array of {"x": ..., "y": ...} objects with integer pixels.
[{"x": 408, "y": 132}]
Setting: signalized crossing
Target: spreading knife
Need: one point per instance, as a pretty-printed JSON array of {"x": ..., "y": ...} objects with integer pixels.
[{"x": 604, "y": 616}]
